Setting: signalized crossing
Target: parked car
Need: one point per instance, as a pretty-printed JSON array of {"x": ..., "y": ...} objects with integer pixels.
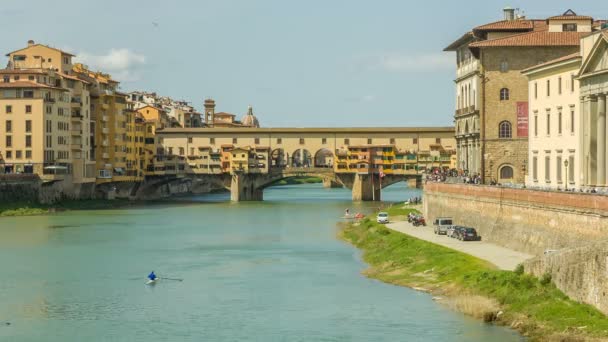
[
  {"x": 442, "y": 224},
  {"x": 382, "y": 217},
  {"x": 451, "y": 232},
  {"x": 457, "y": 232},
  {"x": 469, "y": 234},
  {"x": 418, "y": 220}
]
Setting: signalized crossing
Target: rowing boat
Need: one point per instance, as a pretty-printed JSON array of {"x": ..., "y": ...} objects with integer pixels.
[{"x": 151, "y": 282}]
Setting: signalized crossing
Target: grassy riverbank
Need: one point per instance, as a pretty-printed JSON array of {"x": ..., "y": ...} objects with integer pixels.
[
  {"x": 33, "y": 208},
  {"x": 533, "y": 306},
  {"x": 298, "y": 180}
]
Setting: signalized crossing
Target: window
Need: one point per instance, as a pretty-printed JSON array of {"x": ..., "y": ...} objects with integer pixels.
[
  {"x": 7, "y": 79},
  {"x": 504, "y": 66},
  {"x": 212, "y": 141},
  {"x": 437, "y": 140},
  {"x": 234, "y": 140},
  {"x": 571, "y": 169},
  {"x": 506, "y": 172},
  {"x": 28, "y": 109},
  {"x": 17, "y": 78},
  {"x": 558, "y": 168},
  {"x": 301, "y": 141},
  {"x": 28, "y": 141},
  {"x": 9, "y": 126},
  {"x": 279, "y": 141},
  {"x": 31, "y": 78},
  {"x": 9, "y": 141},
  {"x": 547, "y": 169},
  {"x": 535, "y": 90},
  {"x": 346, "y": 141},
  {"x": 49, "y": 110},
  {"x": 535, "y": 168},
  {"x": 28, "y": 154},
  {"x": 28, "y": 94},
  {"x": 504, "y": 94},
  {"x": 28, "y": 125},
  {"x": 9, "y": 109},
  {"x": 415, "y": 141},
  {"x": 504, "y": 130},
  {"x": 572, "y": 83},
  {"x": 392, "y": 141},
  {"x": 18, "y": 154},
  {"x": 9, "y": 154},
  {"x": 191, "y": 151},
  {"x": 66, "y": 60},
  {"x": 559, "y": 85},
  {"x": 189, "y": 140},
  {"x": 572, "y": 121},
  {"x": 256, "y": 141},
  {"x": 535, "y": 125},
  {"x": 548, "y": 123},
  {"x": 569, "y": 27},
  {"x": 548, "y": 88},
  {"x": 369, "y": 141},
  {"x": 181, "y": 151},
  {"x": 324, "y": 141},
  {"x": 49, "y": 141},
  {"x": 559, "y": 123}
]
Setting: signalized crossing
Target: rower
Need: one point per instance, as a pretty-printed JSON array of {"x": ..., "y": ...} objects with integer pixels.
[
  {"x": 346, "y": 212},
  {"x": 152, "y": 276}
]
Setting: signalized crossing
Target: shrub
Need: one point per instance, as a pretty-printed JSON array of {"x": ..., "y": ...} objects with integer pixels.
[
  {"x": 545, "y": 279},
  {"x": 519, "y": 269}
]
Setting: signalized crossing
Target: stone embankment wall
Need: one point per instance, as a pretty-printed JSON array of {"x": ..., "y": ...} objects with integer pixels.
[
  {"x": 568, "y": 232},
  {"x": 30, "y": 188}
]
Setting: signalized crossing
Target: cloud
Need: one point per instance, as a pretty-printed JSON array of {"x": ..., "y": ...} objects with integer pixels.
[
  {"x": 123, "y": 64},
  {"x": 407, "y": 62}
]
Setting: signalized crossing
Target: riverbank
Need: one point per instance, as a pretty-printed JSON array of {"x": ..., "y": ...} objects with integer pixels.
[
  {"x": 34, "y": 208},
  {"x": 535, "y": 307}
]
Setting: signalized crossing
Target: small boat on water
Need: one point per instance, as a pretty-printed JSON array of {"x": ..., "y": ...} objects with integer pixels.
[{"x": 151, "y": 282}]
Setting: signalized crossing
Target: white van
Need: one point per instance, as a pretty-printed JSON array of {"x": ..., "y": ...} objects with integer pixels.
[{"x": 442, "y": 224}]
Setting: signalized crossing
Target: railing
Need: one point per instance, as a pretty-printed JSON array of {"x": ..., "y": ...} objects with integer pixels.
[{"x": 466, "y": 110}]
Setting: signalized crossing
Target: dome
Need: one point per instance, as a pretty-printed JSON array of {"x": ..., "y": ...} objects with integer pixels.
[{"x": 249, "y": 120}]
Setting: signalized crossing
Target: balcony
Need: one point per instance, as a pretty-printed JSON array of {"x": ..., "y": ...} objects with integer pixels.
[
  {"x": 75, "y": 102},
  {"x": 104, "y": 118},
  {"x": 105, "y": 155},
  {"x": 76, "y": 131},
  {"x": 76, "y": 145},
  {"x": 464, "y": 111},
  {"x": 76, "y": 114},
  {"x": 105, "y": 143}
]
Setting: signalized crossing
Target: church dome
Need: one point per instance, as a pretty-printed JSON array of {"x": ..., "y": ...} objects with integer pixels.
[{"x": 249, "y": 120}]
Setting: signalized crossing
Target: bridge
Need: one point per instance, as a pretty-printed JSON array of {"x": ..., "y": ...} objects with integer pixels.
[{"x": 247, "y": 160}]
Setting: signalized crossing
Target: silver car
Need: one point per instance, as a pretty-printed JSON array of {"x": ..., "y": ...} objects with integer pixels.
[{"x": 442, "y": 224}]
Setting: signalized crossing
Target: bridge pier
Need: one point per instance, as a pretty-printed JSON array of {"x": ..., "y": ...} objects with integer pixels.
[
  {"x": 415, "y": 182},
  {"x": 328, "y": 183},
  {"x": 364, "y": 189},
  {"x": 243, "y": 188}
]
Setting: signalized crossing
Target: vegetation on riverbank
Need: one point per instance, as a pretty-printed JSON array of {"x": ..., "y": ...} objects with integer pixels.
[
  {"x": 34, "y": 208},
  {"x": 298, "y": 180},
  {"x": 533, "y": 306}
]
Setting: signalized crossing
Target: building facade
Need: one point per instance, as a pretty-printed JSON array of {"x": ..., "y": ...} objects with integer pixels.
[
  {"x": 554, "y": 138},
  {"x": 492, "y": 90}
]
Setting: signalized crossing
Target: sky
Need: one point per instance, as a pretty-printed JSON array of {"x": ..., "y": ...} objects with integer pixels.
[{"x": 313, "y": 63}]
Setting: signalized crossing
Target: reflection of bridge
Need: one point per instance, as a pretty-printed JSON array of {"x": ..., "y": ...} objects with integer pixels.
[{"x": 247, "y": 160}]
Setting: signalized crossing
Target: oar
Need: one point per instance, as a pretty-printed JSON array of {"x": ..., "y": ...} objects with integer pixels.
[{"x": 171, "y": 279}]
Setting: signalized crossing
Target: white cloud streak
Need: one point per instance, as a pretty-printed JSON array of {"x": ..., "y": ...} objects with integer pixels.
[
  {"x": 123, "y": 64},
  {"x": 407, "y": 62}
]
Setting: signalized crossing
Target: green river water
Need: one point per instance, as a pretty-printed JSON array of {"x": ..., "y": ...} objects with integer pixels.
[{"x": 269, "y": 271}]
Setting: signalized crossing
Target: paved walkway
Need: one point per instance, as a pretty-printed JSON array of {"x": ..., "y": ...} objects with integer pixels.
[{"x": 503, "y": 258}]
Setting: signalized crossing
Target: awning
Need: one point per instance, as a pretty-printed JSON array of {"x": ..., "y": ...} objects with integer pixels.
[
  {"x": 118, "y": 170},
  {"x": 55, "y": 167}
]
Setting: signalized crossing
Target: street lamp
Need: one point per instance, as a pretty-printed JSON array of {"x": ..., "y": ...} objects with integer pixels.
[{"x": 566, "y": 167}]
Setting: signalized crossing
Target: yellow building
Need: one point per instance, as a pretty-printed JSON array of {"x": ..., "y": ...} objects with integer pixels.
[{"x": 45, "y": 116}]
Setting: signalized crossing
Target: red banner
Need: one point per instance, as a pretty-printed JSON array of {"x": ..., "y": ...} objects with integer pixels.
[{"x": 522, "y": 119}]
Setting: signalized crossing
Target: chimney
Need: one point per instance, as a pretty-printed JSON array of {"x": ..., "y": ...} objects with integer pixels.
[
  {"x": 30, "y": 42},
  {"x": 509, "y": 13}
]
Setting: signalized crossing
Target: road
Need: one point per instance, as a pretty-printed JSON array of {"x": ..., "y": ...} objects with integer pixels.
[{"x": 503, "y": 258}]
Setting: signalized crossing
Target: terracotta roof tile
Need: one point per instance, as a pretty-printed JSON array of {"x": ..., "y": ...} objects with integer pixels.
[
  {"x": 536, "y": 38},
  {"x": 553, "y": 61},
  {"x": 24, "y": 84},
  {"x": 570, "y": 17},
  {"x": 506, "y": 25}
]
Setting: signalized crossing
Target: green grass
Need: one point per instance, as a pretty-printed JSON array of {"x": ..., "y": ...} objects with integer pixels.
[
  {"x": 298, "y": 180},
  {"x": 404, "y": 260},
  {"x": 34, "y": 208}
]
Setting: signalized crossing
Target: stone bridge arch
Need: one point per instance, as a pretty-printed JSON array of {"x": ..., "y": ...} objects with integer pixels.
[
  {"x": 301, "y": 158},
  {"x": 324, "y": 157}
]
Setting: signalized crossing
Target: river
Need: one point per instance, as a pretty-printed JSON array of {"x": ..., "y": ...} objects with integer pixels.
[{"x": 269, "y": 271}]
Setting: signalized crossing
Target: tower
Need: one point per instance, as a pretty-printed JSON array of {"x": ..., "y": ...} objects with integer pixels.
[{"x": 209, "y": 112}]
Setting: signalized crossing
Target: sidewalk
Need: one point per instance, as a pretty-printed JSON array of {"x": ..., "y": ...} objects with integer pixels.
[{"x": 503, "y": 258}]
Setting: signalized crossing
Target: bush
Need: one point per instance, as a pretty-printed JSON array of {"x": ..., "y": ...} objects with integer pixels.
[
  {"x": 545, "y": 279},
  {"x": 519, "y": 269}
]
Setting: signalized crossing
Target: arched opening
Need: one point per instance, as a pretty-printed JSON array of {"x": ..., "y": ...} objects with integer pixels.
[
  {"x": 324, "y": 158},
  {"x": 506, "y": 172},
  {"x": 301, "y": 158},
  {"x": 504, "y": 94},
  {"x": 504, "y": 130},
  {"x": 466, "y": 127},
  {"x": 278, "y": 158}
]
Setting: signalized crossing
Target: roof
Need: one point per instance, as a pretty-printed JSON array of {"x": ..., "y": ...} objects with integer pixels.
[
  {"x": 46, "y": 46},
  {"x": 224, "y": 114},
  {"x": 25, "y": 84},
  {"x": 23, "y": 71},
  {"x": 507, "y": 25},
  {"x": 70, "y": 77},
  {"x": 536, "y": 38},
  {"x": 460, "y": 41},
  {"x": 572, "y": 56},
  {"x": 329, "y": 130},
  {"x": 570, "y": 17}
]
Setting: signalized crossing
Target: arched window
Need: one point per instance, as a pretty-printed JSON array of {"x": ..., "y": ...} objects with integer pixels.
[
  {"x": 504, "y": 129},
  {"x": 506, "y": 172},
  {"x": 504, "y": 94},
  {"x": 504, "y": 66}
]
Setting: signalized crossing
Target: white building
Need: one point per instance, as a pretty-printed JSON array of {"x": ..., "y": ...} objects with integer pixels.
[{"x": 554, "y": 151}]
